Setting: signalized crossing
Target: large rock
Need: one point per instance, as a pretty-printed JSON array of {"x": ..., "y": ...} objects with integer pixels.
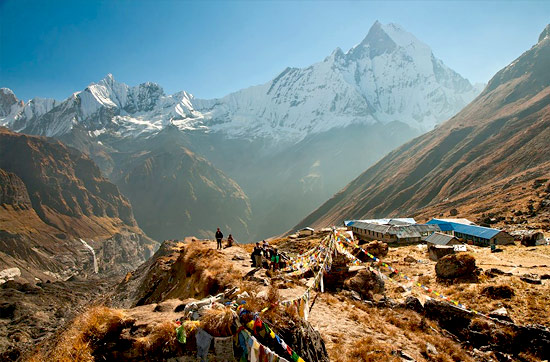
[
  {"x": 376, "y": 248},
  {"x": 498, "y": 291},
  {"x": 456, "y": 266},
  {"x": 366, "y": 283},
  {"x": 501, "y": 314}
]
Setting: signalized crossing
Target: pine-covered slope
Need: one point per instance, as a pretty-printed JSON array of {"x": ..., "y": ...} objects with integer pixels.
[{"x": 499, "y": 140}]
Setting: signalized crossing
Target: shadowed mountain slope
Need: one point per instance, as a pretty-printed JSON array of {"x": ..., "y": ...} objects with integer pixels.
[{"x": 51, "y": 196}]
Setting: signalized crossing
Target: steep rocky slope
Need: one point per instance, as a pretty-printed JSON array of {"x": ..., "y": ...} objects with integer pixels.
[
  {"x": 52, "y": 197},
  {"x": 499, "y": 140}
]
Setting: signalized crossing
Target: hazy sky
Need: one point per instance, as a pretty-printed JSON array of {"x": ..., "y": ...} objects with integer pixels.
[{"x": 210, "y": 48}]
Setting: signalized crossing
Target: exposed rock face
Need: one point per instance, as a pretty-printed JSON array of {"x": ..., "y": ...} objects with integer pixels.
[
  {"x": 53, "y": 196},
  {"x": 455, "y": 266},
  {"x": 13, "y": 190},
  {"x": 34, "y": 311},
  {"x": 62, "y": 181}
]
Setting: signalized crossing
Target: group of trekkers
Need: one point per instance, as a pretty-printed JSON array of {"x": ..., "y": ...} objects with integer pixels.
[
  {"x": 263, "y": 255},
  {"x": 219, "y": 238},
  {"x": 267, "y": 256}
]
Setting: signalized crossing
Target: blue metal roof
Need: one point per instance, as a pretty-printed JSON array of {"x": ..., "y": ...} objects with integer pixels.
[{"x": 474, "y": 230}]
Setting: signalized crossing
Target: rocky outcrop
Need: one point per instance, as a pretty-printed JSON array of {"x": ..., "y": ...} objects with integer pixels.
[
  {"x": 13, "y": 191},
  {"x": 503, "y": 336},
  {"x": 307, "y": 341},
  {"x": 188, "y": 269},
  {"x": 455, "y": 266},
  {"x": 498, "y": 291},
  {"x": 36, "y": 311}
]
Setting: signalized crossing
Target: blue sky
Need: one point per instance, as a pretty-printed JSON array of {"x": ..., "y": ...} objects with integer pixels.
[{"x": 210, "y": 48}]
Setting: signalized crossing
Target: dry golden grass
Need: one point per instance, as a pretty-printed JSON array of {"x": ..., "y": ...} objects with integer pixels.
[
  {"x": 77, "y": 342},
  {"x": 159, "y": 341},
  {"x": 219, "y": 322},
  {"x": 528, "y": 305},
  {"x": 367, "y": 349}
]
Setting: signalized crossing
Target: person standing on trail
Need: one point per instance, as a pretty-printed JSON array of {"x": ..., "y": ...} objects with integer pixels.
[
  {"x": 257, "y": 255},
  {"x": 275, "y": 259},
  {"x": 219, "y": 237}
]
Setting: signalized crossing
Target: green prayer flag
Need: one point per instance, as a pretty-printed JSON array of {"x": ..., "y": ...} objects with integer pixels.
[{"x": 181, "y": 335}]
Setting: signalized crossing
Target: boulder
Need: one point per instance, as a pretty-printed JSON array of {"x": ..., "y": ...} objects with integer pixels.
[
  {"x": 531, "y": 278},
  {"x": 409, "y": 259},
  {"x": 366, "y": 283},
  {"x": 452, "y": 318},
  {"x": 493, "y": 272},
  {"x": 498, "y": 291},
  {"x": 430, "y": 349},
  {"x": 413, "y": 303},
  {"x": 376, "y": 248},
  {"x": 501, "y": 314},
  {"x": 456, "y": 266}
]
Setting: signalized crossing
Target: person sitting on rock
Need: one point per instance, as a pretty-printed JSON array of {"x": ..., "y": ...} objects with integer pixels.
[{"x": 230, "y": 241}]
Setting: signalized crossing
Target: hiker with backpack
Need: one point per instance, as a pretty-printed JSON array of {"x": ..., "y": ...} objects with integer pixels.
[{"x": 219, "y": 237}]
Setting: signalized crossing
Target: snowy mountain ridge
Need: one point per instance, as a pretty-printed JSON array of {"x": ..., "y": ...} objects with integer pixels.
[{"x": 389, "y": 76}]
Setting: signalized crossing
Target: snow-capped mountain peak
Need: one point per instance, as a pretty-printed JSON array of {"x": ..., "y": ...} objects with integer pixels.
[
  {"x": 389, "y": 76},
  {"x": 107, "y": 106}
]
